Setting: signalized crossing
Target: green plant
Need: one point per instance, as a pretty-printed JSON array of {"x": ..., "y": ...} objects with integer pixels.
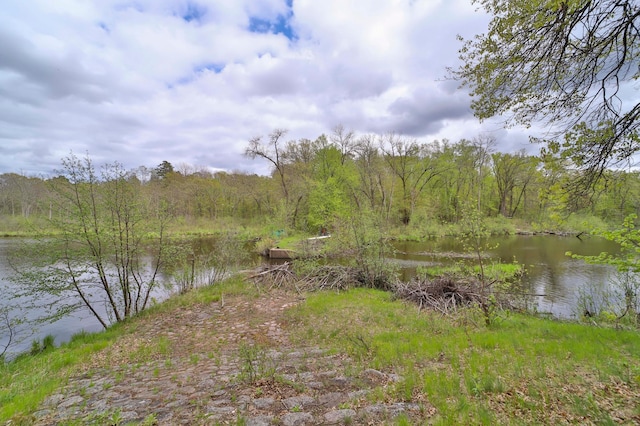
[
  {"x": 149, "y": 420},
  {"x": 114, "y": 263},
  {"x": 194, "y": 358},
  {"x": 255, "y": 363},
  {"x": 48, "y": 343},
  {"x": 626, "y": 285}
]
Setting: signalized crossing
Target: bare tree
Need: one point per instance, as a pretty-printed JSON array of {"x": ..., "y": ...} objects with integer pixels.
[
  {"x": 271, "y": 151},
  {"x": 344, "y": 140}
]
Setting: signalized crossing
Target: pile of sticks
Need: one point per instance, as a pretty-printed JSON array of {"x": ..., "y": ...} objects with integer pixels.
[
  {"x": 327, "y": 277},
  {"x": 330, "y": 277},
  {"x": 443, "y": 294},
  {"x": 274, "y": 276}
]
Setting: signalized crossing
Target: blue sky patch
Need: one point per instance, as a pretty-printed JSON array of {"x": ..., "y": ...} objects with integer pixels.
[
  {"x": 194, "y": 12},
  {"x": 217, "y": 68},
  {"x": 281, "y": 25},
  {"x": 199, "y": 69},
  {"x": 104, "y": 27}
]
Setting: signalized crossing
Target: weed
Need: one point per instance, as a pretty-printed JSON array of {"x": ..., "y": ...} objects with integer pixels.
[
  {"x": 194, "y": 358},
  {"x": 255, "y": 363},
  {"x": 149, "y": 420}
]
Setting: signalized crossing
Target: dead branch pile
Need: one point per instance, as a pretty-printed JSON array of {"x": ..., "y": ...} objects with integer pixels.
[
  {"x": 330, "y": 277},
  {"x": 327, "y": 277},
  {"x": 274, "y": 276},
  {"x": 443, "y": 294}
]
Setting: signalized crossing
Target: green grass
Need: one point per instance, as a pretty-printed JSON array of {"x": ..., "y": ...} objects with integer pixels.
[
  {"x": 523, "y": 369},
  {"x": 503, "y": 272},
  {"x": 28, "y": 380}
]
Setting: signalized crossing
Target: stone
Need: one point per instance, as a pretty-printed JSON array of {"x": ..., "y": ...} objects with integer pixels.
[
  {"x": 263, "y": 403},
  {"x": 374, "y": 375},
  {"x": 54, "y": 399},
  {"x": 220, "y": 411},
  {"x": 297, "y": 419},
  {"x": 297, "y": 401},
  {"x": 332, "y": 399},
  {"x": 74, "y": 400},
  {"x": 339, "y": 416},
  {"x": 259, "y": 421}
]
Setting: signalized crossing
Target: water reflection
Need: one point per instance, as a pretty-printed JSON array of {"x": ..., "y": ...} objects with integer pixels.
[{"x": 552, "y": 276}]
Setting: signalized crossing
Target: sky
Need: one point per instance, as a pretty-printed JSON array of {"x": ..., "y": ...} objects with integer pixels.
[{"x": 191, "y": 81}]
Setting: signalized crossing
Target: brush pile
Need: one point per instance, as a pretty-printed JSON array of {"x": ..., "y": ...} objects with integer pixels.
[
  {"x": 327, "y": 277},
  {"x": 274, "y": 276},
  {"x": 444, "y": 294},
  {"x": 330, "y": 277}
]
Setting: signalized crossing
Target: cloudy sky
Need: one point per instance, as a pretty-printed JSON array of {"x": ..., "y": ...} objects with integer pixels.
[{"x": 191, "y": 81}]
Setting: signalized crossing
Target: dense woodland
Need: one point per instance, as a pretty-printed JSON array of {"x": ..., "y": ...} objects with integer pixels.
[{"x": 400, "y": 180}]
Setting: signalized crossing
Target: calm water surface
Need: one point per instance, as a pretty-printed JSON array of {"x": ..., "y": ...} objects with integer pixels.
[
  {"x": 550, "y": 274},
  {"x": 554, "y": 277}
]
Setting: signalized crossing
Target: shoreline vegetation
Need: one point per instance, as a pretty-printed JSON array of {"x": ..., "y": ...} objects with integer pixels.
[
  {"x": 38, "y": 227},
  {"x": 519, "y": 368}
]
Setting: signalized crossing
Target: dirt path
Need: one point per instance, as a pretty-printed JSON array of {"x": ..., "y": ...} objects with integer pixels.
[{"x": 229, "y": 362}]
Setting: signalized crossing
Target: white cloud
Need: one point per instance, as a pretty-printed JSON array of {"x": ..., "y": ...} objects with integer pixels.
[{"x": 190, "y": 81}]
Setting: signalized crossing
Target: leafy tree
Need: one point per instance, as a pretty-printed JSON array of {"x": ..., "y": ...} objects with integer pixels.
[
  {"x": 345, "y": 141},
  {"x": 20, "y": 193},
  {"x": 331, "y": 183},
  {"x": 413, "y": 164},
  {"x": 568, "y": 63},
  {"x": 373, "y": 176},
  {"x": 163, "y": 170},
  {"x": 463, "y": 170},
  {"x": 513, "y": 173},
  {"x": 108, "y": 248}
]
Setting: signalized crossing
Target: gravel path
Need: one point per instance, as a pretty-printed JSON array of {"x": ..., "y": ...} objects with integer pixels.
[{"x": 225, "y": 363}]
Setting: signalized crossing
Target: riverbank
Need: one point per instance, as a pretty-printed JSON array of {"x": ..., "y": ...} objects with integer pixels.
[{"x": 238, "y": 354}]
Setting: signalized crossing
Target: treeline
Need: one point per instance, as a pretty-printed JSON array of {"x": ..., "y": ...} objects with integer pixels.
[{"x": 399, "y": 179}]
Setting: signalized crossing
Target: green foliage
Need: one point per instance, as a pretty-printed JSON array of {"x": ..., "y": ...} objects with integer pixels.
[
  {"x": 475, "y": 241},
  {"x": 107, "y": 248},
  {"x": 362, "y": 237},
  {"x": 626, "y": 286},
  {"x": 255, "y": 364},
  {"x": 191, "y": 267},
  {"x": 551, "y": 61},
  {"x": 498, "y": 272}
]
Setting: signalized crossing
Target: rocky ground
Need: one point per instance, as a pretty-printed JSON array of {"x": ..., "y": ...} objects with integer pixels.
[{"x": 230, "y": 362}]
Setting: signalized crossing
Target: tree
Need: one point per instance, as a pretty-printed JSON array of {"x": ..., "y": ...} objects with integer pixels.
[
  {"x": 272, "y": 152},
  {"x": 512, "y": 172},
  {"x": 373, "y": 175},
  {"x": 163, "y": 170},
  {"x": 345, "y": 141},
  {"x": 108, "y": 248},
  {"x": 568, "y": 63},
  {"x": 414, "y": 165}
]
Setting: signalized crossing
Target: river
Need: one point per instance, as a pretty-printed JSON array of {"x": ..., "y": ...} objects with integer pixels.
[{"x": 550, "y": 273}]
